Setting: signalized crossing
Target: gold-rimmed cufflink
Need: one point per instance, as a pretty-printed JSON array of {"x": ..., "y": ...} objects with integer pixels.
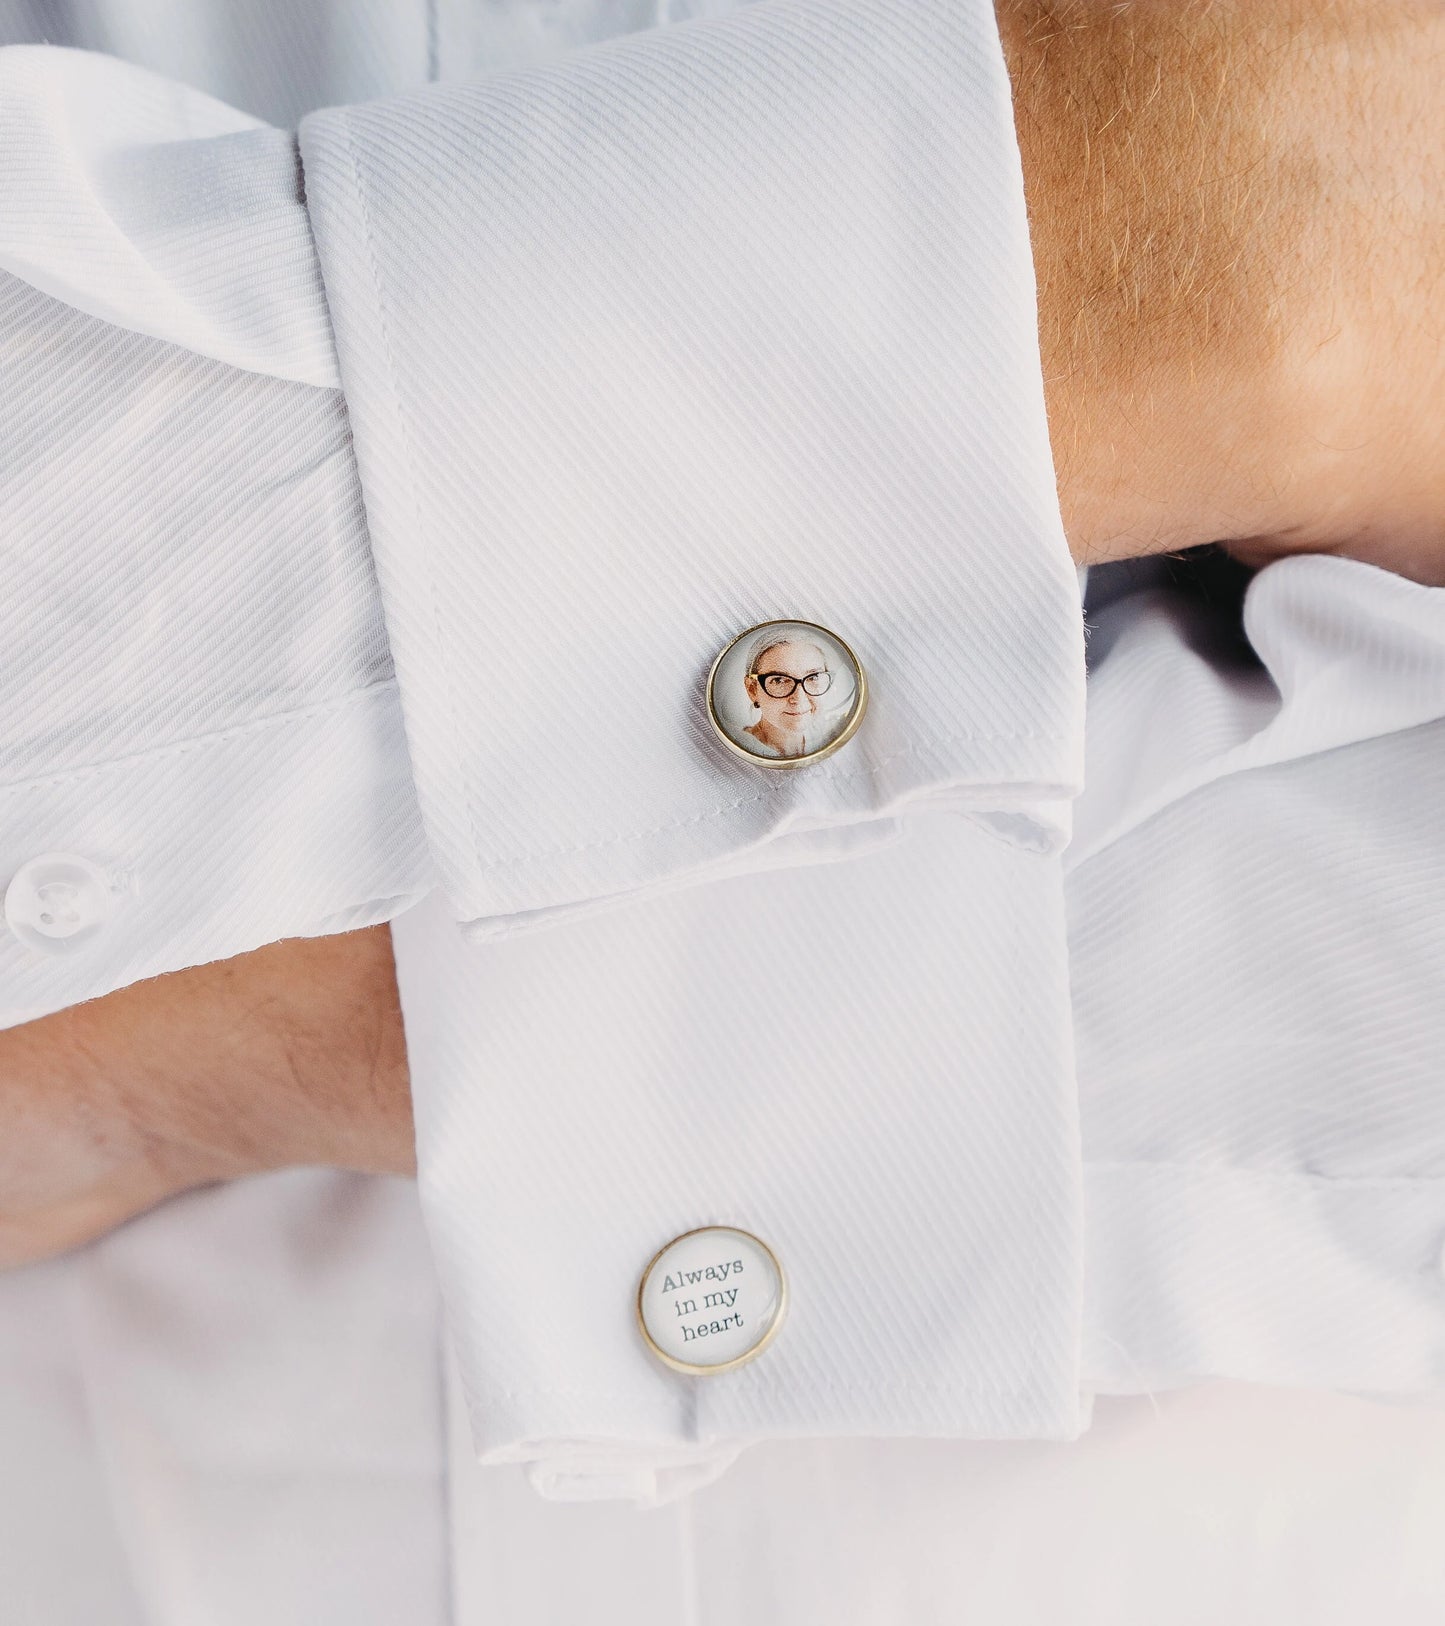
[
  {"x": 711, "y": 1299},
  {"x": 786, "y": 693}
]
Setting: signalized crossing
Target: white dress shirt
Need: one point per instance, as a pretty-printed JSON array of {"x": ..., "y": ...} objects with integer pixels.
[
  {"x": 1259, "y": 1044},
  {"x": 1257, "y": 910},
  {"x": 366, "y": 623},
  {"x": 638, "y": 348}
]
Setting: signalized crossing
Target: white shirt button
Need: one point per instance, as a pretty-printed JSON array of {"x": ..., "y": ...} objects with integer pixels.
[
  {"x": 711, "y": 1299},
  {"x": 59, "y": 902}
]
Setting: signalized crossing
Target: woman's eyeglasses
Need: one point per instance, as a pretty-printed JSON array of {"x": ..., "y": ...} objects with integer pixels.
[{"x": 780, "y": 685}]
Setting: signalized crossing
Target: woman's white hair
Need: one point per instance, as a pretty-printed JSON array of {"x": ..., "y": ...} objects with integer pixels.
[{"x": 771, "y": 640}]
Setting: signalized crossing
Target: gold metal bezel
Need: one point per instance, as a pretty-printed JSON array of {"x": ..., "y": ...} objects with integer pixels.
[
  {"x": 741, "y": 1360},
  {"x": 846, "y": 733}
]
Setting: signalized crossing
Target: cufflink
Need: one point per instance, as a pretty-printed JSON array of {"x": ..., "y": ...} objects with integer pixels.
[
  {"x": 786, "y": 693},
  {"x": 711, "y": 1299}
]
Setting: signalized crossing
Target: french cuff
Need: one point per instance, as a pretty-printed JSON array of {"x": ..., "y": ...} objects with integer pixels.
[
  {"x": 868, "y": 1072},
  {"x": 715, "y": 324}
]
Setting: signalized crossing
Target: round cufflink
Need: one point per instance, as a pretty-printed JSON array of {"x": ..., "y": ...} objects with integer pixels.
[
  {"x": 711, "y": 1299},
  {"x": 786, "y": 693}
]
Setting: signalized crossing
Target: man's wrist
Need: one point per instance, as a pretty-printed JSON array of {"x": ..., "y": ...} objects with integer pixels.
[
  {"x": 1153, "y": 236},
  {"x": 291, "y": 1055},
  {"x": 1238, "y": 234}
]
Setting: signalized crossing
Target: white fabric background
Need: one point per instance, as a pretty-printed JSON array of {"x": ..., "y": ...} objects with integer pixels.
[
  {"x": 196, "y": 682},
  {"x": 1257, "y": 1016},
  {"x": 836, "y": 376},
  {"x": 1257, "y": 946}
]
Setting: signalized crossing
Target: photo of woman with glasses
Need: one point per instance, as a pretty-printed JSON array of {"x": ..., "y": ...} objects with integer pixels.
[
  {"x": 786, "y": 681},
  {"x": 786, "y": 692}
]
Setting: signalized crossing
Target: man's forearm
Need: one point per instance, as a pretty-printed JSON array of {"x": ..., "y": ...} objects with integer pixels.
[
  {"x": 291, "y": 1055},
  {"x": 1236, "y": 213}
]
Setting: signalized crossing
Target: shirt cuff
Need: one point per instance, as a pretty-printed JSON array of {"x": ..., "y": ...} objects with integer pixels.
[
  {"x": 869, "y": 1069},
  {"x": 717, "y": 323},
  {"x": 289, "y": 826}
]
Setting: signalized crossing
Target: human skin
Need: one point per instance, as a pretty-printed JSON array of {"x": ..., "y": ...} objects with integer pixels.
[
  {"x": 291, "y": 1055},
  {"x": 1237, "y": 213},
  {"x": 783, "y": 724},
  {"x": 1238, "y": 222}
]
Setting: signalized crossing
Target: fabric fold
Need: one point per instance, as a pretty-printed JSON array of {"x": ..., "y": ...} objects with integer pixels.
[
  {"x": 1346, "y": 653},
  {"x": 154, "y": 207},
  {"x": 875, "y": 1078},
  {"x": 196, "y": 694},
  {"x": 712, "y": 324}
]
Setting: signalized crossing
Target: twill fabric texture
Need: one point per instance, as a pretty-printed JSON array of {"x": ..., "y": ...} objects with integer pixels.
[
  {"x": 554, "y": 471},
  {"x": 197, "y": 684},
  {"x": 474, "y": 665},
  {"x": 1275, "y": 1216},
  {"x": 835, "y": 193},
  {"x": 1050, "y": 1121}
]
